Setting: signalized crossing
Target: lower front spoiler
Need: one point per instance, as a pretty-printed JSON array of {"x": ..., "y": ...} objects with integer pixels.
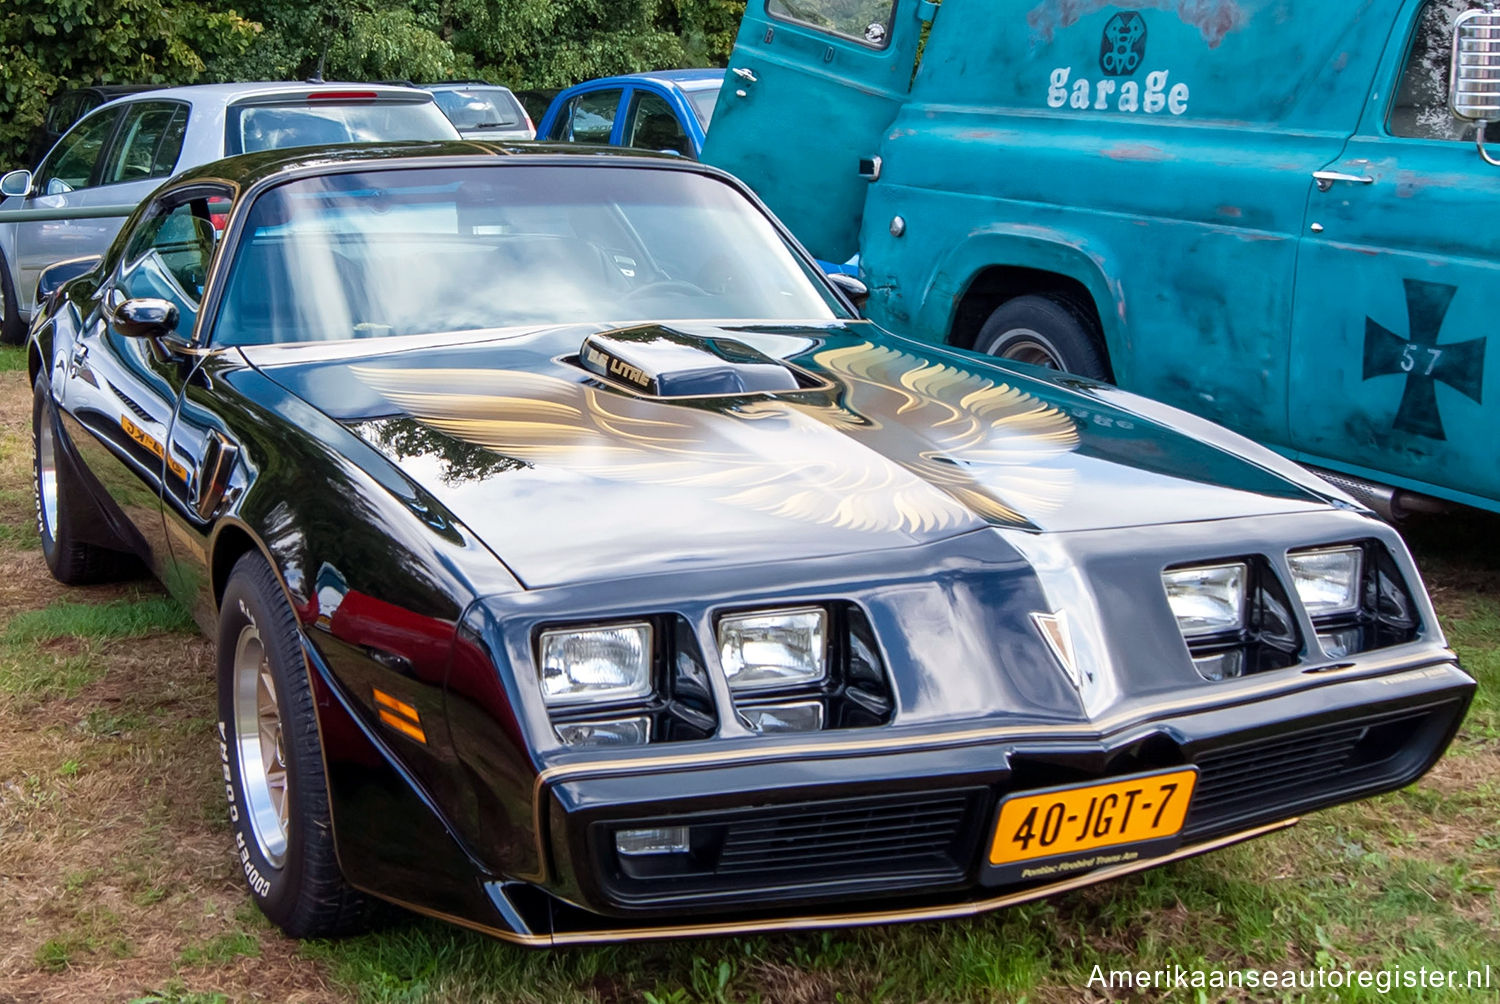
[{"x": 813, "y": 922}]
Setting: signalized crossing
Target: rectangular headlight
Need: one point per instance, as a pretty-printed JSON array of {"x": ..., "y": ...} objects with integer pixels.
[
  {"x": 1328, "y": 579},
  {"x": 774, "y": 648},
  {"x": 1208, "y": 599},
  {"x": 611, "y": 662}
]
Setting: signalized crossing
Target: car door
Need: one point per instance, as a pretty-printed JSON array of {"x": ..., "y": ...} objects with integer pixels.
[
  {"x": 65, "y": 183},
  {"x": 812, "y": 86},
  {"x": 120, "y": 392},
  {"x": 1392, "y": 374},
  {"x": 652, "y": 123}
]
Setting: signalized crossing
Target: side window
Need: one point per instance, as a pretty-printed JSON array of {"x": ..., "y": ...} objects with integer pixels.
[
  {"x": 590, "y": 118},
  {"x": 1420, "y": 110},
  {"x": 168, "y": 258},
  {"x": 149, "y": 141},
  {"x": 867, "y": 21},
  {"x": 652, "y": 125},
  {"x": 70, "y": 166}
]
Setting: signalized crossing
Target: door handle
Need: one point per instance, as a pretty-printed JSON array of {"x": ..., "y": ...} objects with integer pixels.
[
  {"x": 747, "y": 75},
  {"x": 1325, "y": 179}
]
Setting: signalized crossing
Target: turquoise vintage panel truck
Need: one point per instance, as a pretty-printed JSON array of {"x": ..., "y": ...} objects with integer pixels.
[{"x": 1267, "y": 212}]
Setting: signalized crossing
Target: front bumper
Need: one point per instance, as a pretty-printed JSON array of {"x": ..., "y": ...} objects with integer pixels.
[
  {"x": 884, "y": 825},
  {"x": 878, "y": 829}
]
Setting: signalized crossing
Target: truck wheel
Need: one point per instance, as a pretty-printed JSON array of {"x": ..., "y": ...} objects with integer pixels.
[
  {"x": 69, "y": 560},
  {"x": 273, "y": 767},
  {"x": 12, "y": 331},
  {"x": 1044, "y": 331}
]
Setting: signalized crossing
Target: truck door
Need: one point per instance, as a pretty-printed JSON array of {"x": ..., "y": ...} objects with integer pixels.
[
  {"x": 1392, "y": 374},
  {"x": 812, "y": 85}
]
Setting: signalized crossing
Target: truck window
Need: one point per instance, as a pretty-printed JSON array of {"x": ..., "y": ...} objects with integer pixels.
[
  {"x": 867, "y": 21},
  {"x": 1421, "y": 107}
]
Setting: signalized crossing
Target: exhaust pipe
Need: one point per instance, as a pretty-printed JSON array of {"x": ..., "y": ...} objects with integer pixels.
[{"x": 1390, "y": 504}]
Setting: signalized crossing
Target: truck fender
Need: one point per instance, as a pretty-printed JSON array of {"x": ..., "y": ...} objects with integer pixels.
[{"x": 949, "y": 302}]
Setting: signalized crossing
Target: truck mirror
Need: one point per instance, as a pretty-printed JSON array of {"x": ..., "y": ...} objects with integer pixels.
[{"x": 1474, "y": 80}]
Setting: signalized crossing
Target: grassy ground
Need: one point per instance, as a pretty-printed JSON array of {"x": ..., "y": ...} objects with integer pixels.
[{"x": 116, "y": 881}]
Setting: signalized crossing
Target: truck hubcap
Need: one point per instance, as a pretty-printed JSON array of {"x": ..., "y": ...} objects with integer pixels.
[{"x": 1026, "y": 346}]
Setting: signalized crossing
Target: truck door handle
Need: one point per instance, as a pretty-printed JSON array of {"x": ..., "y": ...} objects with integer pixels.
[
  {"x": 1325, "y": 179},
  {"x": 747, "y": 75}
]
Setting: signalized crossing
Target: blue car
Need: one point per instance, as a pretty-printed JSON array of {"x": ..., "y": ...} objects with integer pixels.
[{"x": 667, "y": 111}]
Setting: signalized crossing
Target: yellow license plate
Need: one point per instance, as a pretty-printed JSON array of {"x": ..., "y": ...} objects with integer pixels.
[{"x": 1067, "y": 821}]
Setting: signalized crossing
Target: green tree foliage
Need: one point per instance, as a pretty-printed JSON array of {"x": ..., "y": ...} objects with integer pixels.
[
  {"x": 49, "y": 45},
  {"x": 46, "y": 45}
]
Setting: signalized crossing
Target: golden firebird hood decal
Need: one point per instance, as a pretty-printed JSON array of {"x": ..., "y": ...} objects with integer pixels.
[{"x": 900, "y": 443}]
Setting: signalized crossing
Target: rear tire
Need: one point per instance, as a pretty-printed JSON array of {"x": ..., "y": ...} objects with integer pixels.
[
  {"x": 1046, "y": 331},
  {"x": 273, "y": 765},
  {"x": 12, "y": 331},
  {"x": 58, "y": 503}
]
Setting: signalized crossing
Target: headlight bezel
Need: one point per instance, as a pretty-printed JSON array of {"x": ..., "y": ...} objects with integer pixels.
[
  {"x": 1384, "y": 612},
  {"x": 678, "y": 706},
  {"x": 1266, "y": 636}
]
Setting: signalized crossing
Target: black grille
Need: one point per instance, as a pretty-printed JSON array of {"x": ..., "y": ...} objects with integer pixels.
[
  {"x": 909, "y": 833},
  {"x": 1283, "y": 775},
  {"x": 871, "y": 845}
]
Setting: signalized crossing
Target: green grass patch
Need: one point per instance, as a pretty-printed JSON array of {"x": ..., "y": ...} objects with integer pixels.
[
  {"x": 220, "y": 950},
  {"x": 12, "y": 358},
  {"x": 99, "y": 621},
  {"x": 39, "y": 676}
]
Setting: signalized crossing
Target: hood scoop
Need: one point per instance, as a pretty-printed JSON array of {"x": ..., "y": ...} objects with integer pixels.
[{"x": 664, "y": 362}]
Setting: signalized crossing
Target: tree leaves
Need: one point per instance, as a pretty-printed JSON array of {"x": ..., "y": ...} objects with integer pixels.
[{"x": 50, "y": 45}]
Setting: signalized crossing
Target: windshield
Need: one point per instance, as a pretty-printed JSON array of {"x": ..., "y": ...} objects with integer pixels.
[
  {"x": 703, "y": 101},
  {"x": 275, "y": 127},
  {"x": 480, "y": 108},
  {"x": 414, "y": 251}
]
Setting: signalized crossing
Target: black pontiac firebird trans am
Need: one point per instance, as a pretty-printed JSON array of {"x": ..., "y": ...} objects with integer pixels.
[{"x": 583, "y": 568}]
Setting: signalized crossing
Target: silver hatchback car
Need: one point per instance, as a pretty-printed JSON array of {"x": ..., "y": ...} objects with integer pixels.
[{"x": 80, "y": 194}]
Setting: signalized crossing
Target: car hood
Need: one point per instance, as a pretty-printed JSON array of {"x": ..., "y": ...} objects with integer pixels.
[{"x": 663, "y": 447}]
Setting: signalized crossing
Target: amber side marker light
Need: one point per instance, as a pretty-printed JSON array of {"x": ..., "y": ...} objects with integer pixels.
[{"x": 400, "y": 716}]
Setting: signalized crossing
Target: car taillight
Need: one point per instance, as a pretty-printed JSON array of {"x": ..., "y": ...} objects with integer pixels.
[
  {"x": 342, "y": 96},
  {"x": 218, "y": 214}
]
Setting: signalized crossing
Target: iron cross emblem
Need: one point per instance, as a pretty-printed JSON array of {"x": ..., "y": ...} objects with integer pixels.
[{"x": 1460, "y": 365}]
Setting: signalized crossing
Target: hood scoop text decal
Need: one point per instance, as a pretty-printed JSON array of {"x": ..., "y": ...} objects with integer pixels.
[{"x": 662, "y": 362}]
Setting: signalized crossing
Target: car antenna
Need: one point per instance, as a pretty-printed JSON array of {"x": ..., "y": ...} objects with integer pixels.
[{"x": 317, "y": 77}]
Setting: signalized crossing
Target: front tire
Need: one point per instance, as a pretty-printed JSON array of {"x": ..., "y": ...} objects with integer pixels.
[
  {"x": 268, "y": 741},
  {"x": 12, "y": 331},
  {"x": 59, "y": 500},
  {"x": 1044, "y": 331}
]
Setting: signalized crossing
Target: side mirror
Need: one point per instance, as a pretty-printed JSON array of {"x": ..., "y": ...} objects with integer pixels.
[
  {"x": 852, "y": 287},
  {"x": 16, "y": 183},
  {"x": 1474, "y": 80},
  {"x": 146, "y": 317},
  {"x": 54, "y": 275}
]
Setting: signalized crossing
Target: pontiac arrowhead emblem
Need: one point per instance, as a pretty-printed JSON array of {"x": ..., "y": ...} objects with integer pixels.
[{"x": 1054, "y": 629}]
